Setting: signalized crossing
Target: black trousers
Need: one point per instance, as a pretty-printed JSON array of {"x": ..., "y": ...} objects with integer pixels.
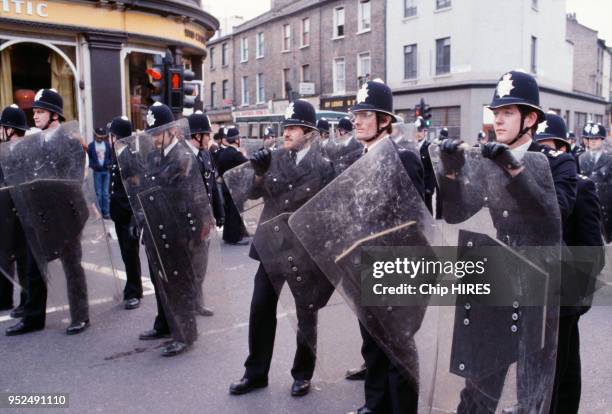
[
  {"x": 35, "y": 307},
  {"x": 387, "y": 389},
  {"x": 130, "y": 254},
  {"x": 75, "y": 280},
  {"x": 429, "y": 201},
  {"x": 568, "y": 380},
  {"x": 233, "y": 229},
  {"x": 175, "y": 308},
  {"x": 262, "y": 331}
]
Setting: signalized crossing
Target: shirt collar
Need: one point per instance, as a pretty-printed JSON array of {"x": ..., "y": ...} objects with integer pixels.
[
  {"x": 192, "y": 147},
  {"x": 519, "y": 152},
  {"x": 301, "y": 154},
  {"x": 169, "y": 147}
]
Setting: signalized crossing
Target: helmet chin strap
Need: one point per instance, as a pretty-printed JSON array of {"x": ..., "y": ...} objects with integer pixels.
[
  {"x": 522, "y": 132},
  {"x": 378, "y": 130}
]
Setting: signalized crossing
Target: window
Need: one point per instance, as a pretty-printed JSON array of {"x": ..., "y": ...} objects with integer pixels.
[
  {"x": 261, "y": 93},
  {"x": 338, "y": 72},
  {"x": 211, "y": 57},
  {"x": 305, "y": 31},
  {"x": 339, "y": 22},
  {"x": 441, "y": 4},
  {"x": 224, "y": 89},
  {"x": 364, "y": 15},
  {"x": 245, "y": 90},
  {"x": 305, "y": 75},
  {"x": 410, "y": 8},
  {"x": 260, "y": 45},
  {"x": 285, "y": 82},
  {"x": 534, "y": 46},
  {"x": 410, "y": 61},
  {"x": 224, "y": 49},
  {"x": 443, "y": 56},
  {"x": 363, "y": 67},
  {"x": 287, "y": 37},
  {"x": 244, "y": 49},
  {"x": 213, "y": 91}
]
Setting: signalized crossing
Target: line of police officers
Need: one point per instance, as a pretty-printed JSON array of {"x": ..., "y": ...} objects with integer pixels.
[{"x": 298, "y": 173}]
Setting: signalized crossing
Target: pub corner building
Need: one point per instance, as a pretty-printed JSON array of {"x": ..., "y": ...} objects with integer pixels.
[{"x": 96, "y": 53}]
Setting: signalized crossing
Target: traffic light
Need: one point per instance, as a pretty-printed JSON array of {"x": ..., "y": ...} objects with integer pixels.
[
  {"x": 426, "y": 111},
  {"x": 157, "y": 79},
  {"x": 175, "y": 88},
  {"x": 189, "y": 89}
]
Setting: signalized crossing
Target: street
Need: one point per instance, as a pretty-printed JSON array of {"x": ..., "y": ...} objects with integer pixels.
[{"x": 107, "y": 369}]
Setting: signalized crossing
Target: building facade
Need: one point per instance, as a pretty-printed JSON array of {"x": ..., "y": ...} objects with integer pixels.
[
  {"x": 316, "y": 50},
  {"x": 95, "y": 53},
  {"x": 451, "y": 53}
]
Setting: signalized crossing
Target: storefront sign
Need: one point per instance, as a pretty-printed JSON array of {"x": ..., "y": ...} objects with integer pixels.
[
  {"x": 30, "y": 8},
  {"x": 338, "y": 103}
]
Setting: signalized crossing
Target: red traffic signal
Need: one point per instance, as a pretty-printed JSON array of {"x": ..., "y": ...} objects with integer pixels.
[{"x": 154, "y": 74}]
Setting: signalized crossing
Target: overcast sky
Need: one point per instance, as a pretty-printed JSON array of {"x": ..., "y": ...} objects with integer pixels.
[{"x": 596, "y": 14}]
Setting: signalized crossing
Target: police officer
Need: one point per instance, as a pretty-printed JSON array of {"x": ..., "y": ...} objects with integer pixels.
[
  {"x": 596, "y": 164},
  {"x": 13, "y": 246},
  {"x": 517, "y": 113},
  {"x": 176, "y": 254},
  {"x": 482, "y": 138},
  {"x": 48, "y": 115},
  {"x": 387, "y": 388},
  {"x": 582, "y": 229},
  {"x": 199, "y": 126},
  {"x": 323, "y": 127},
  {"x": 269, "y": 138},
  {"x": 228, "y": 158},
  {"x": 429, "y": 177},
  {"x": 286, "y": 180},
  {"x": 121, "y": 213},
  {"x": 443, "y": 134}
]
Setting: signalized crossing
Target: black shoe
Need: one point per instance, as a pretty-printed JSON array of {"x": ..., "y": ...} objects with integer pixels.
[
  {"x": 356, "y": 374},
  {"x": 364, "y": 410},
  {"x": 153, "y": 334},
  {"x": 174, "y": 348},
  {"x": 18, "y": 312},
  {"x": 77, "y": 328},
  {"x": 239, "y": 243},
  {"x": 23, "y": 327},
  {"x": 246, "y": 385},
  {"x": 300, "y": 388},
  {"x": 204, "y": 311},
  {"x": 132, "y": 303}
]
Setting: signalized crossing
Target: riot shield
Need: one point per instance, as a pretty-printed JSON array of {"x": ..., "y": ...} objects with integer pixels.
[
  {"x": 53, "y": 193},
  {"x": 238, "y": 181},
  {"x": 248, "y": 146},
  {"x": 404, "y": 135},
  {"x": 168, "y": 196},
  {"x": 497, "y": 351},
  {"x": 373, "y": 203}
]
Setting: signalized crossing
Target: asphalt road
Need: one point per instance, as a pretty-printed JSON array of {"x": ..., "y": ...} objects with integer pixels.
[{"x": 107, "y": 369}]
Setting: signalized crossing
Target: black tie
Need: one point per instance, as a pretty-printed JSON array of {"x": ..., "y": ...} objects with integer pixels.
[{"x": 293, "y": 156}]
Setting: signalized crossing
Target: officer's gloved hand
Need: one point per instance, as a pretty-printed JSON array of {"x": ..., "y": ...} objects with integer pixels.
[
  {"x": 220, "y": 221},
  {"x": 501, "y": 155},
  {"x": 261, "y": 161},
  {"x": 452, "y": 156},
  {"x": 133, "y": 229}
]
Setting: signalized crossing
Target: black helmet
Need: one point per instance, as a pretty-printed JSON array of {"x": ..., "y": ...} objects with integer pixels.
[
  {"x": 199, "y": 123},
  {"x": 374, "y": 95},
  {"x": 323, "y": 125},
  {"x": 553, "y": 127},
  {"x": 594, "y": 130},
  {"x": 121, "y": 127},
  {"x": 269, "y": 132},
  {"x": 231, "y": 134},
  {"x": 345, "y": 124},
  {"x": 158, "y": 115},
  {"x": 50, "y": 100},
  {"x": 302, "y": 113},
  {"x": 518, "y": 88},
  {"x": 444, "y": 133},
  {"x": 481, "y": 135},
  {"x": 14, "y": 117}
]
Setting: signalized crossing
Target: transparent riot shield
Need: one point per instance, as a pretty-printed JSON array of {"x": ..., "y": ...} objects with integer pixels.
[
  {"x": 497, "y": 349},
  {"x": 238, "y": 181},
  {"x": 250, "y": 145},
  {"x": 373, "y": 204},
  {"x": 168, "y": 196},
  {"x": 404, "y": 135},
  {"x": 53, "y": 194}
]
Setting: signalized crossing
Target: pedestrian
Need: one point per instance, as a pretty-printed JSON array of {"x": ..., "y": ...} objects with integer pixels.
[{"x": 100, "y": 159}]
